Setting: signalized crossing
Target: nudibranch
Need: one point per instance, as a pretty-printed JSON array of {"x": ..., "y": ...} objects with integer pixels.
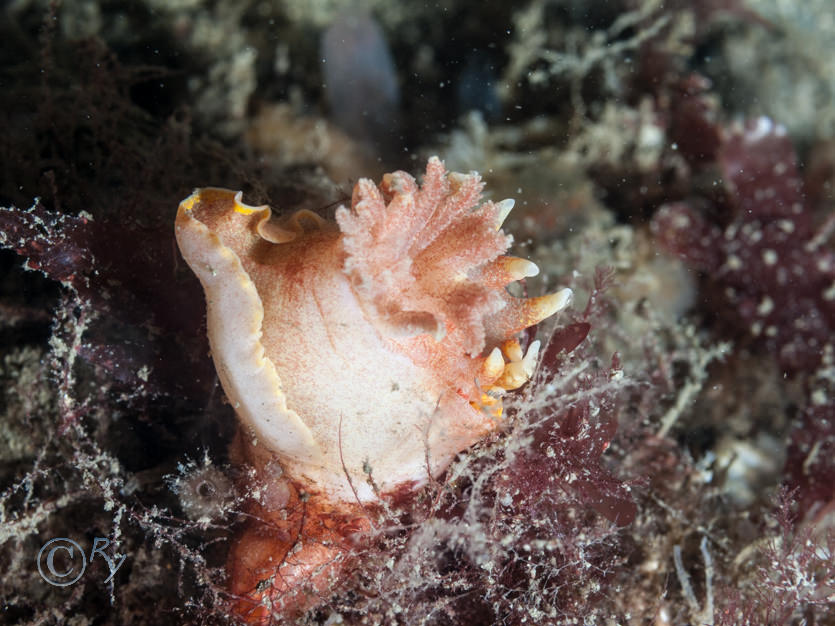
[{"x": 361, "y": 357}]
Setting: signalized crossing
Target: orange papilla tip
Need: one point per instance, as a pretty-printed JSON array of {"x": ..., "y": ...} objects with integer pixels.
[
  {"x": 507, "y": 269},
  {"x": 491, "y": 368}
]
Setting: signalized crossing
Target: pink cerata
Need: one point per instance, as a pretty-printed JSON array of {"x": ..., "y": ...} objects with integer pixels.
[{"x": 361, "y": 357}]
